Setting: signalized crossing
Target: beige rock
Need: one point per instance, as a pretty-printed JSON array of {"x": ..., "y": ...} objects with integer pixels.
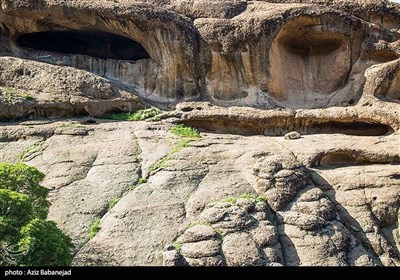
[
  {"x": 207, "y": 248},
  {"x": 325, "y": 221},
  {"x": 242, "y": 242},
  {"x": 197, "y": 233},
  {"x": 292, "y": 135},
  {"x": 241, "y": 72}
]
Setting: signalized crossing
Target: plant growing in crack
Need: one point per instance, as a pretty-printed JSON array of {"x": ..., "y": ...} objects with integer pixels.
[
  {"x": 177, "y": 246},
  {"x": 140, "y": 182},
  {"x": 32, "y": 150},
  {"x": 162, "y": 162},
  {"x": 113, "y": 202},
  {"x": 187, "y": 135},
  {"x": 94, "y": 228}
]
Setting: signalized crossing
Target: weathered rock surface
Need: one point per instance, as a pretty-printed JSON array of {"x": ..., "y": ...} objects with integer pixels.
[
  {"x": 32, "y": 90},
  {"x": 267, "y": 202},
  {"x": 326, "y": 72},
  {"x": 233, "y": 53}
]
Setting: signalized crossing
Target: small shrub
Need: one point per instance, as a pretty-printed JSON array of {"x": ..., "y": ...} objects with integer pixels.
[
  {"x": 196, "y": 223},
  {"x": 140, "y": 182},
  {"x": 46, "y": 245},
  {"x": 185, "y": 131},
  {"x": 140, "y": 115},
  {"x": 254, "y": 198},
  {"x": 178, "y": 147},
  {"x": 94, "y": 228}
]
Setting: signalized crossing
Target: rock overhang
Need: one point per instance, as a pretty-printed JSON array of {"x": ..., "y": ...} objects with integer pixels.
[
  {"x": 241, "y": 53},
  {"x": 324, "y": 199}
]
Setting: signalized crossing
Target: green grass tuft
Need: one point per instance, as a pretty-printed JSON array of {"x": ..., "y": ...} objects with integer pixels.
[
  {"x": 113, "y": 202},
  {"x": 142, "y": 181},
  {"x": 177, "y": 246},
  {"x": 94, "y": 228},
  {"x": 185, "y": 131}
]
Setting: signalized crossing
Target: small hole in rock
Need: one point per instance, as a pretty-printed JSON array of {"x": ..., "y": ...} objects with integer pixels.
[
  {"x": 187, "y": 109},
  {"x": 395, "y": 176},
  {"x": 19, "y": 72}
]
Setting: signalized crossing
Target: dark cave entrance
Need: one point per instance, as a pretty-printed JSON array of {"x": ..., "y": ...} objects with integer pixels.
[{"x": 92, "y": 43}]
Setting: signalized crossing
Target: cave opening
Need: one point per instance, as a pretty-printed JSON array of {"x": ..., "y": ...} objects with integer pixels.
[
  {"x": 99, "y": 44},
  {"x": 281, "y": 126},
  {"x": 357, "y": 128}
]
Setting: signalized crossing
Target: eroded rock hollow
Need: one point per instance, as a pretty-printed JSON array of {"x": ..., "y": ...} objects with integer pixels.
[{"x": 297, "y": 104}]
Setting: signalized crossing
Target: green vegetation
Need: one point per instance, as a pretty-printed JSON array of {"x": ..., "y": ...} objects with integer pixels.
[
  {"x": 113, "y": 202},
  {"x": 187, "y": 134},
  {"x": 27, "y": 96},
  {"x": 140, "y": 182},
  {"x": 23, "y": 228},
  {"x": 185, "y": 131},
  {"x": 35, "y": 147},
  {"x": 254, "y": 198},
  {"x": 178, "y": 147},
  {"x": 25, "y": 179},
  {"x": 219, "y": 232},
  {"x": 196, "y": 223},
  {"x": 72, "y": 124},
  {"x": 12, "y": 93},
  {"x": 47, "y": 244},
  {"x": 177, "y": 246},
  {"x": 94, "y": 228},
  {"x": 140, "y": 115},
  {"x": 233, "y": 200},
  {"x": 138, "y": 153}
]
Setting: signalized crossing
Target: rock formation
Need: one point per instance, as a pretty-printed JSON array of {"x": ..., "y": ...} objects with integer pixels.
[{"x": 244, "y": 73}]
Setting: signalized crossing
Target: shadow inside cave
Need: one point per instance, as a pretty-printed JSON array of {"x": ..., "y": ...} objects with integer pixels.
[{"x": 98, "y": 44}]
